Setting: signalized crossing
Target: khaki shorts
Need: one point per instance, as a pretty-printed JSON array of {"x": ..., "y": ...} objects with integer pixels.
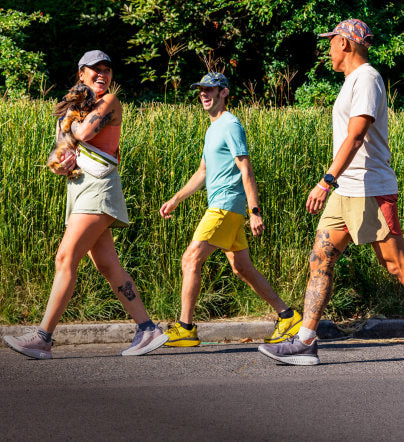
[
  {"x": 367, "y": 219},
  {"x": 222, "y": 229}
]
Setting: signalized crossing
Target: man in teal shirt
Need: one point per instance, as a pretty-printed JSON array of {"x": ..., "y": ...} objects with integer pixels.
[
  {"x": 225, "y": 140},
  {"x": 226, "y": 170}
]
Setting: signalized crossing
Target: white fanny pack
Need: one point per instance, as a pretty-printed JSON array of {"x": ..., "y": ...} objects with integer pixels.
[{"x": 94, "y": 161}]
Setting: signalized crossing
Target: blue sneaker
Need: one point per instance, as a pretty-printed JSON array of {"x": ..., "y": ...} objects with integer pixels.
[{"x": 293, "y": 352}]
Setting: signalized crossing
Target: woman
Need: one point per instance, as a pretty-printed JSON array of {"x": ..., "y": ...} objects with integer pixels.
[{"x": 93, "y": 206}]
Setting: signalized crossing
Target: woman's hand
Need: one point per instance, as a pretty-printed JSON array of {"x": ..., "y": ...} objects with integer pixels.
[{"x": 66, "y": 166}]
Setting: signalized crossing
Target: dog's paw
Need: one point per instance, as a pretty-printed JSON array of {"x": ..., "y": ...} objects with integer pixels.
[
  {"x": 74, "y": 174},
  {"x": 66, "y": 124}
]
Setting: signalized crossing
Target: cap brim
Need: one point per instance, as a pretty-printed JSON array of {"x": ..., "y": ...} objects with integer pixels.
[
  {"x": 327, "y": 34},
  {"x": 90, "y": 65},
  {"x": 107, "y": 62},
  {"x": 195, "y": 85}
]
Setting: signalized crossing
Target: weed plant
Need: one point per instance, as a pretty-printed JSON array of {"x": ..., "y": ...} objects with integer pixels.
[{"x": 161, "y": 147}]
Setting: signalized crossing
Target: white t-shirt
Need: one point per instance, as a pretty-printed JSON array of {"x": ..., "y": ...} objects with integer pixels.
[{"x": 369, "y": 173}]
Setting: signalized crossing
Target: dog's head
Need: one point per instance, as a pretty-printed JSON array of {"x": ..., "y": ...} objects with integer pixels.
[{"x": 81, "y": 97}]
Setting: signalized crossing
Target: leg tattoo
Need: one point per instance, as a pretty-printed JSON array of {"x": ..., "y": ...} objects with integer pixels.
[
  {"x": 322, "y": 262},
  {"x": 127, "y": 291}
]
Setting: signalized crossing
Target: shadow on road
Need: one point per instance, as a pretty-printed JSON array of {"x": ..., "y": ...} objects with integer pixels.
[
  {"x": 249, "y": 348},
  {"x": 356, "y": 345}
]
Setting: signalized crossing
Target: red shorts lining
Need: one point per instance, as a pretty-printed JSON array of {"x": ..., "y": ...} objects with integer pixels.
[{"x": 388, "y": 206}]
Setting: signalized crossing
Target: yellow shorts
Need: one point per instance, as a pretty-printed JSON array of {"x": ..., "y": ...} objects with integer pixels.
[
  {"x": 222, "y": 229},
  {"x": 361, "y": 217}
]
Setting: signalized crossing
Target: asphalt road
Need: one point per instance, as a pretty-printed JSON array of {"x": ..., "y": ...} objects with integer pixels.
[{"x": 225, "y": 392}]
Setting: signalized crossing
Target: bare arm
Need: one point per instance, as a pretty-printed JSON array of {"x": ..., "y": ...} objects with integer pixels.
[
  {"x": 108, "y": 110},
  {"x": 250, "y": 187},
  {"x": 196, "y": 182},
  {"x": 357, "y": 128}
]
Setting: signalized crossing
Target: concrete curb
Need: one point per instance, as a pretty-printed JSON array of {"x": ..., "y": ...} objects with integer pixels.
[{"x": 106, "y": 333}]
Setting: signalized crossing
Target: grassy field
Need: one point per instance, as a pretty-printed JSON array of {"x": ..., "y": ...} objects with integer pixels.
[{"x": 161, "y": 146}]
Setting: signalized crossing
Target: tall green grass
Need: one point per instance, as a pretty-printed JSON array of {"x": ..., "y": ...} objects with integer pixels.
[{"x": 161, "y": 146}]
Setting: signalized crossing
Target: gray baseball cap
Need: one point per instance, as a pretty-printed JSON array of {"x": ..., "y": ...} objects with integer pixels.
[{"x": 91, "y": 58}]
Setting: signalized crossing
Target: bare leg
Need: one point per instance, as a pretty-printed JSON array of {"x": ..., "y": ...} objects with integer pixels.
[
  {"x": 81, "y": 234},
  {"x": 195, "y": 255},
  {"x": 327, "y": 249},
  {"x": 390, "y": 253},
  {"x": 106, "y": 260},
  {"x": 243, "y": 268}
]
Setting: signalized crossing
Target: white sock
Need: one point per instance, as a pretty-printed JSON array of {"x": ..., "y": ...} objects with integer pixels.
[{"x": 306, "y": 335}]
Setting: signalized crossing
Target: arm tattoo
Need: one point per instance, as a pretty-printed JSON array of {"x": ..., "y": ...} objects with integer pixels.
[
  {"x": 127, "y": 291},
  {"x": 322, "y": 262},
  {"x": 104, "y": 120}
]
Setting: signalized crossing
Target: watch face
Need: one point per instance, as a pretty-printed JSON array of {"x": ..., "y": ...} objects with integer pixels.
[
  {"x": 255, "y": 210},
  {"x": 330, "y": 179}
]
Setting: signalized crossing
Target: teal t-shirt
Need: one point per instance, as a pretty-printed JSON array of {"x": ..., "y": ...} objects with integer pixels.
[{"x": 224, "y": 140}]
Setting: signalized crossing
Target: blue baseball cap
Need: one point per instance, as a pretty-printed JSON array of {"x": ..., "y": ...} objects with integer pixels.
[
  {"x": 211, "y": 80},
  {"x": 91, "y": 58}
]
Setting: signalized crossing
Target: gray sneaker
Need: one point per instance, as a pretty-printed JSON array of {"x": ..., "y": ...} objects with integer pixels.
[
  {"x": 30, "y": 344},
  {"x": 293, "y": 351},
  {"x": 145, "y": 342}
]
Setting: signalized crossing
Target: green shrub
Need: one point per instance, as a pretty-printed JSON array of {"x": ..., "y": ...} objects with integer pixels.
[
  {"x": 161, "y": 147},
  {"x": 22, "y": 71},
  {"x": 320, "y": 93}
]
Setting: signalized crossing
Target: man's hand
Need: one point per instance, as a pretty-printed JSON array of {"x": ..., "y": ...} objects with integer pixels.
[
  {"x": 66, "y": 166},
  {"x": 167, "y": 208},
  {"x": 316, "y": 200},
  {"x": 256, "y": 224}
]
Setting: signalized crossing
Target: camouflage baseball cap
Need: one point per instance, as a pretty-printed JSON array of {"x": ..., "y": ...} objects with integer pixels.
[
  {"x": 352, "y": 29},
  {"x": 211, "y": 80}
]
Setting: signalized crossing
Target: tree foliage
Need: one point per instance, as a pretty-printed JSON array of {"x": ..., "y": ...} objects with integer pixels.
[
  {"x": 21, "y": 71},
  {"x": 76, "y": 27},
  {"x": 270, "y": 45},
  {"x": 268, "y": 48}
]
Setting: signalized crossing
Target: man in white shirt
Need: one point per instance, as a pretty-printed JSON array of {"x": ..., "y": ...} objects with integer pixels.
[{"x": 363, "y": 207}]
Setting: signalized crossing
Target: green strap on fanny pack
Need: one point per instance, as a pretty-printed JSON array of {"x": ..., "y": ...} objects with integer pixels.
[{"x": 96, "y": 157}]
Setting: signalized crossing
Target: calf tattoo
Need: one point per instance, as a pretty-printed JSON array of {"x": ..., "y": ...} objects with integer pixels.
[
  {"x": 127, "y": 291},
  {"x": 322, "y": 262}
]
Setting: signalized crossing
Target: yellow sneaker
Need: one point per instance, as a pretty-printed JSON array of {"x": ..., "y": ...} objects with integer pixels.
[
  {"x": 284, "y": 329},
  {"x": 180, "y": 337}
]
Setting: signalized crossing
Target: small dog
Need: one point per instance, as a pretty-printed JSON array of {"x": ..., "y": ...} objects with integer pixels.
[{"x": 75, "y": 106}]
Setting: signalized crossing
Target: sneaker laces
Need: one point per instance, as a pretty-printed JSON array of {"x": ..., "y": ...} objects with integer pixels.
[
  {"x": 290, "y": 339},
  {"x": 173, "y": 331},
  {"x": 278, "y": 324},
  {"x": 158, "y": 326},
  {"x": 31, "y": 333},
  {"x": 30, "y": 329}
]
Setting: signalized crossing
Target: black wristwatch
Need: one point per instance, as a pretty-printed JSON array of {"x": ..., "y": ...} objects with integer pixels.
[
  {"x": 330, "y": 179},
  {"x": 255, "y": 210}
]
